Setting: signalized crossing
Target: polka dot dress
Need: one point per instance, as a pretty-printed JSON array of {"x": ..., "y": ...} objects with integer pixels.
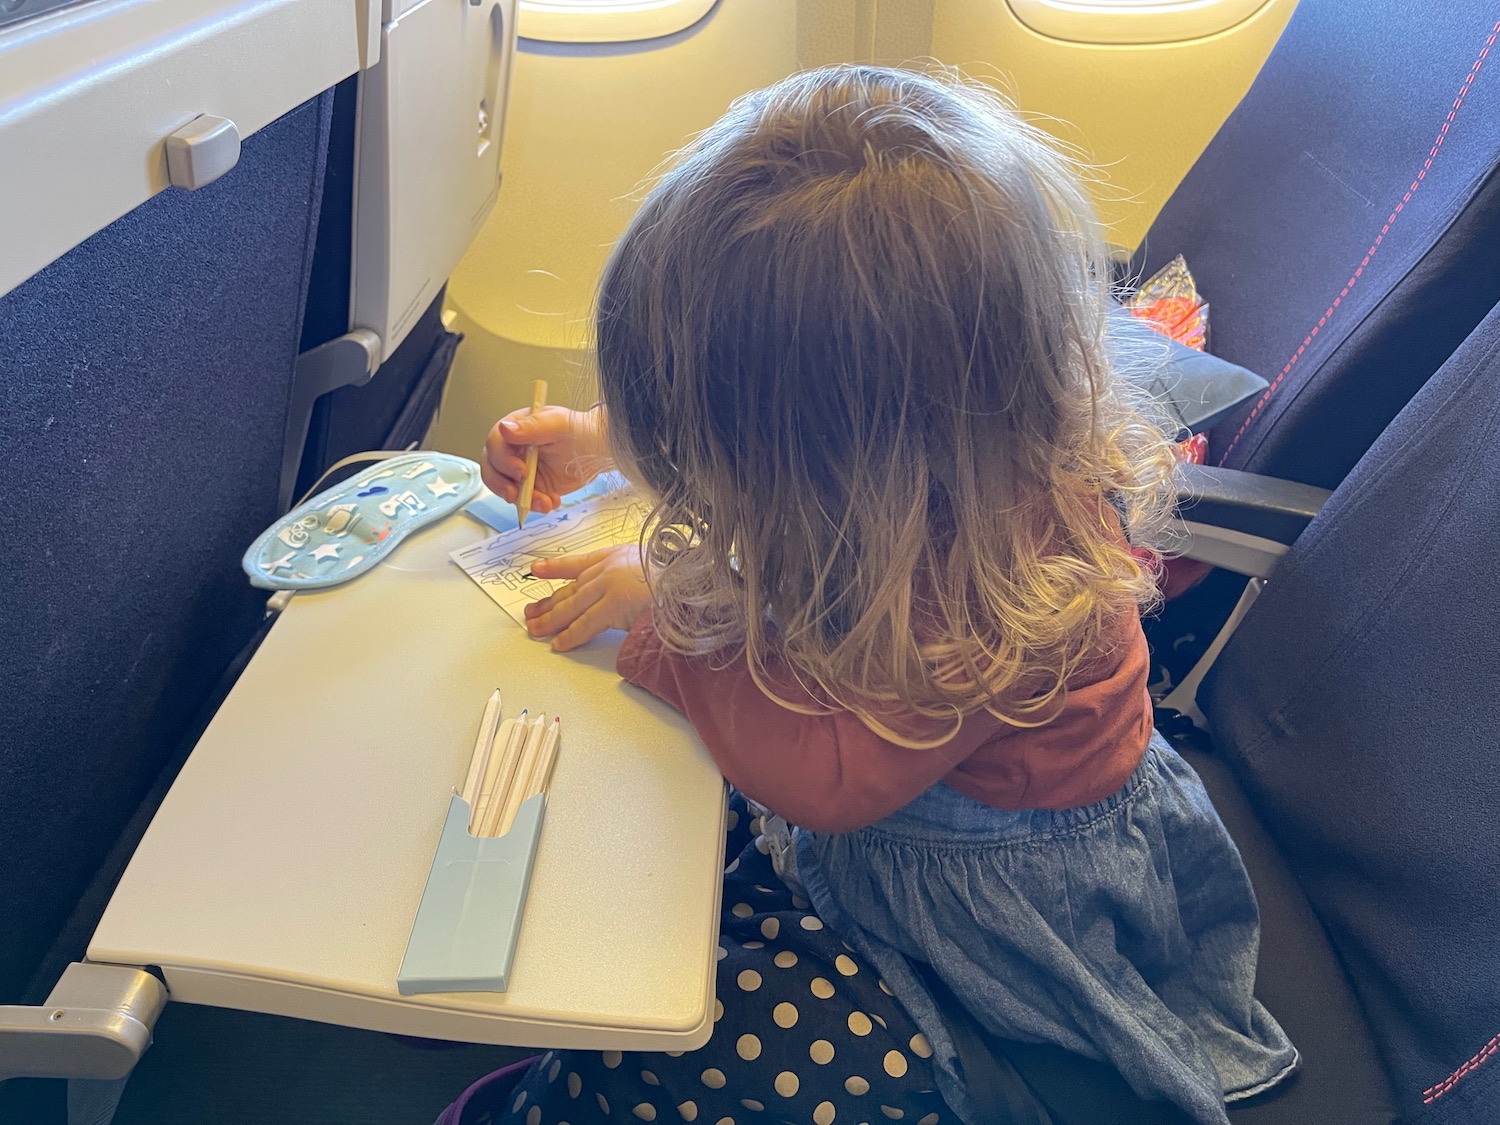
[{"x": 803, "y": 1031}]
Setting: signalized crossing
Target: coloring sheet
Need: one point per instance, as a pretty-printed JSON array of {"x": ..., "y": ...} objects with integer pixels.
[{"x": 502, "y": 564}]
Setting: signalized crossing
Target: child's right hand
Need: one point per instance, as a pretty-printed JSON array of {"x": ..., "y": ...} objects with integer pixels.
[{"x": 571, "y": 452}]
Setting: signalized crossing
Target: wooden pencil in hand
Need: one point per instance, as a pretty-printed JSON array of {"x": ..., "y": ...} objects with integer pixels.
[{"x": 528, "y": 485}]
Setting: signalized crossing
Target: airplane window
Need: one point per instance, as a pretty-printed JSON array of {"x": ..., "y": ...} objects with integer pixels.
[
  {"x": 608, "y": 21},
  {"x": 1132, "y": 21}
]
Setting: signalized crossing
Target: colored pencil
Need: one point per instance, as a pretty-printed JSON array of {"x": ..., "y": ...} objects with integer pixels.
[
  {"x": 528, "y": 485},
  {"x": 502, "y": 813},
  {"x": 501, "y": 766},
  {"x": 488, "y": 726},
  {"x": 541, "y": 776}
]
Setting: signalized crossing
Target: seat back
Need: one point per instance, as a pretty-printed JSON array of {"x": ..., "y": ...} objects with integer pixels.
[
  {"x": 409, "y": 189},
  {"x": 1357, "y": 706},
  {"x": 395, "y": 408},
  {"x": 1342, "y": 224},
  {"x": 144, "y": 379}
]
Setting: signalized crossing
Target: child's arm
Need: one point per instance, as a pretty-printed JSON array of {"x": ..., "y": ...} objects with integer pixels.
[{"x": 828, "y": 773}]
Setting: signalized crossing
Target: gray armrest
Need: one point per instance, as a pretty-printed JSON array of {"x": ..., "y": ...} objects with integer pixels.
[
  {"x": 95, "y": 1025},
  {"x": 1241, "y": 522},
  {"x": 1247, "y": 503}
]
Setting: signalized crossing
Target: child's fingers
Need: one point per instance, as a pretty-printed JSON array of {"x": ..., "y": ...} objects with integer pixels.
[
  {"x": 569, "y": 602},
  {"x": 537, "y": 608},
  {"x": 534, "y": 611},
  {"x": 542, "y": 427},
  {"x": 501, "y": 486},
  {"x": 564, "y": 611},
  {"x": 503, "y": 455},
  {"x": 509, "y": 490},
  {"x": 544, "y": 502},
  {"x": 587, "y": 580},
  {"x": 570, "y": 566},
  {"x": 585, "y": 628},
  {"x": 538, "y": 625},
  {"x": 504, "y": 468}
]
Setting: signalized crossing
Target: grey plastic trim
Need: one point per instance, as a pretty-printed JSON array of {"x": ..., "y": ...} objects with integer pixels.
[
  {"x": 1264, "y": 507},
  {"x": 1250, "y": 555},
  {"x": 1184, "y": 697},
  {"x": 348, "y": 361},
  {"x": 202, "y": 151},
  {"x": 96, "y": 1024}
]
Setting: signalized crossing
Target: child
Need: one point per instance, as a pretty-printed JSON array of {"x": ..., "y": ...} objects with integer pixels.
[{"x": 852, "y": 345}]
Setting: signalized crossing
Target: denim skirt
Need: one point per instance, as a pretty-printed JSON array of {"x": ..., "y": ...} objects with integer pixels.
[{"x": 1125, "y": 930}]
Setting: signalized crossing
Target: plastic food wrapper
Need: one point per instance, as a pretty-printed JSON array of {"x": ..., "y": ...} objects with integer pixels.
[
  {"x": 1193, "y": 450},
  {"x": 1169, "y": 301}
]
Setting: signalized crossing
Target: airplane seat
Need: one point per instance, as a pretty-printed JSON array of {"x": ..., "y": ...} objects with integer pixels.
[
  {"x": 1350, "y": 755},
  {"x": 1341, "y": 226},
  {"x": 160, "y": 380},
  {"x": 149, "y": 257},
  {"x": 145, "y": 376},
  {"x": 1355, "y": 706}
]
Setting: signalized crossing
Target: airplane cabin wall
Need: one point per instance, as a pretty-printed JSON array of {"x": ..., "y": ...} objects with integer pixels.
[
  {"x": 589, "y": 122},
  {"x": 1140, "y": 113}
]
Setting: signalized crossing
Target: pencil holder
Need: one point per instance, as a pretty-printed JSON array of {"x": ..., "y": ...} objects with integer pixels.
[{"x": 464, "y": 936}]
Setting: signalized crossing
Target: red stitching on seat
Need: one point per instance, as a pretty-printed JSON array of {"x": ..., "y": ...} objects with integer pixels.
[
  {"x": 1433, "y": 1093},
  {"x": 1374, "y": 246}
]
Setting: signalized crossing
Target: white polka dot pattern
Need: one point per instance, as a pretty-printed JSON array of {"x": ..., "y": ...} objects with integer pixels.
[{"x": 804, "y": 1030}]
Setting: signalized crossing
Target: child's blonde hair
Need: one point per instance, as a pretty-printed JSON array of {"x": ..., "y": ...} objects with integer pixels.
[{"x": 854, "y": 342}]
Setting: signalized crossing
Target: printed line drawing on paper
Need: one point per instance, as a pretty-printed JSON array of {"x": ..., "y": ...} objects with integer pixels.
[{"x": 501, "y": 565}]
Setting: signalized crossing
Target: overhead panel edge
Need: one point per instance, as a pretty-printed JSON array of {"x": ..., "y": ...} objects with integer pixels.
[{"x": 90, "y": 94}]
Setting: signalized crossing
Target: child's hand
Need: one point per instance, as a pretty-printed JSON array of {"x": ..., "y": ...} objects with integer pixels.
[
  {"x": 571, "y": 452},
  {"x": 608, "y": 591}
]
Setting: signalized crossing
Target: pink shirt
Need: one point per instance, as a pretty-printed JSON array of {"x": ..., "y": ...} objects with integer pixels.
[{"x": 831, "y": 773}]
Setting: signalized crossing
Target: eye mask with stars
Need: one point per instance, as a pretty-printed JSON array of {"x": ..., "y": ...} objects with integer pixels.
[{"x": 346, "y": 530}]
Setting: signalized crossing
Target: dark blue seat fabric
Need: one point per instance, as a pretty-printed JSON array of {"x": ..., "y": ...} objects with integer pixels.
[
  {"x": 1342, "y": 224},
  {"x": 1357, "y": 705},
  {"x": 144, "y": 381}
]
